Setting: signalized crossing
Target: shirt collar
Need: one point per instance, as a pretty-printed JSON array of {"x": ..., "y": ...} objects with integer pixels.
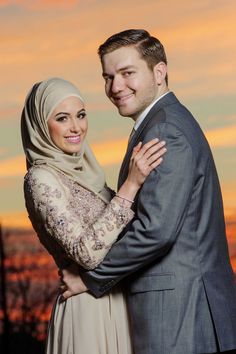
[{"x": 145, "y": 112}]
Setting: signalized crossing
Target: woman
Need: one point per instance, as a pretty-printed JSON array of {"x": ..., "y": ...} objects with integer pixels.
[{"x": 74, "y": 213}]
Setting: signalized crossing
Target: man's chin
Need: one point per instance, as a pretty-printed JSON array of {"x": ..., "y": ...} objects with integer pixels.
[{"x": 124, "y": 112}]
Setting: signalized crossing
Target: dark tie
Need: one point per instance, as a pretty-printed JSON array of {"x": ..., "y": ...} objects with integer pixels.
[{"x": 131, "y": 135}]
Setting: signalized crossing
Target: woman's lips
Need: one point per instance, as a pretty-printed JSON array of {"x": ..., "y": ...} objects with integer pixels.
[{"x": 75, "y": 139}]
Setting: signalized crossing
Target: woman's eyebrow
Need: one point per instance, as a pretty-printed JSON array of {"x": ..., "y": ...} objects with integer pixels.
[
  {"x": 66, "y": 113},
  {"x": 62, "y": 113}
]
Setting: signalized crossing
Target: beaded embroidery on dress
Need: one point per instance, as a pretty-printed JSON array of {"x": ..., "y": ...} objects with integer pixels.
[{"x": 74, "y": 224}]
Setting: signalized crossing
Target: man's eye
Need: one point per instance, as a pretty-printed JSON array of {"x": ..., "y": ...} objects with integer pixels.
[
  {"x": 107, "y": 79},
  {"x": 128, "y": 73}
]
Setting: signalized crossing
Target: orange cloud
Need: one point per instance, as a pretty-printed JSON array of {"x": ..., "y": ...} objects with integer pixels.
[
  {"x": 39, "y": 4},
  {"x": 107, "y": 153},
  {"x": 111, "y": 152},
  {"x": 229, "y": 197},
  {"x": 15, "y": 219},
  {"x": 198, "y": 61},
  {"x": 222, "y": 137},
  {"x": 13, "y": 167}
]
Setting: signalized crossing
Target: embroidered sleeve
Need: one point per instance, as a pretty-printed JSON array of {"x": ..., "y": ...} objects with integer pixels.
[{"x": 85, "y": 238}]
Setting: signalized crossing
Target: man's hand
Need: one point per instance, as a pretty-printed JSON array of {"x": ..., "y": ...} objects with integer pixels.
[{"x": 71, "y": 283}]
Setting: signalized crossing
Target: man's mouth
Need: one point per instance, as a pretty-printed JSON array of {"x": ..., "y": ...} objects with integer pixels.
[{"x": 120, "y": 100}]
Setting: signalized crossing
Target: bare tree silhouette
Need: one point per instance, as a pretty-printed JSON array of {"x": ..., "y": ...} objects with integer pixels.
[
  {"x": 33, "y": 299},
  {"x": 3, "y": 297},
  {"x": 27, "y": 292}
]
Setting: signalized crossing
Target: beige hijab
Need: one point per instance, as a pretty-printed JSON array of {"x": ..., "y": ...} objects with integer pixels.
[{"x": 39, "y": 149}]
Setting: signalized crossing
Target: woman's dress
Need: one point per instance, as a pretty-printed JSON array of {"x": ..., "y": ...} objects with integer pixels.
[{"x": 75, "y": 225}]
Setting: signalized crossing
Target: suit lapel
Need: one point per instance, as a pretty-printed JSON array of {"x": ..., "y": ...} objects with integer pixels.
[{"x": 166, "y": 100}]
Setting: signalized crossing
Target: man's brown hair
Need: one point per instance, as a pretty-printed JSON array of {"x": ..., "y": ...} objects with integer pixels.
[{"x": 149, "y": 48}]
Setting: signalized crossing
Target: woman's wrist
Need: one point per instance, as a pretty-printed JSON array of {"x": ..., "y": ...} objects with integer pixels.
[
  {"x": 123, "y": 198},
  {"x": 128, "y": 190},
  {"x": 126, "y": 194},
  {"x": 122, "y": 201}
]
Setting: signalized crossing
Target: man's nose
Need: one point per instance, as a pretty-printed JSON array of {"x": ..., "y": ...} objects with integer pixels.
[{"x": 117, "y": 84}]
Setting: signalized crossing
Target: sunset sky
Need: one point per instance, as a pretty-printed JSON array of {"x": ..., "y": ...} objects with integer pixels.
[{"x": 41, "y": 39}]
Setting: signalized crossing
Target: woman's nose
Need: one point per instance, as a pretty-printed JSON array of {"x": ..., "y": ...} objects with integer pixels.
[{"x": 75, "y": 125}]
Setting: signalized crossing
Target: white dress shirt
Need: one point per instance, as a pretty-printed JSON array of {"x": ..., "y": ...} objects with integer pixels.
[{"x": 145, "y": 112}]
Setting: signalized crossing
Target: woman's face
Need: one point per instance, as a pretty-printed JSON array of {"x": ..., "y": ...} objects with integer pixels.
[{"x": 68, "y": 125}]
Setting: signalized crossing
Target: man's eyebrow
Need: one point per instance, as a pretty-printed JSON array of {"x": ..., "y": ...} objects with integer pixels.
[
  {"x": 127, "y": 67},
  {"x": 104, "y": 74}
]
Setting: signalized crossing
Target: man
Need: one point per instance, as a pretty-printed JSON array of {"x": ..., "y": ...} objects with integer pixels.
[{"x": 181, "y": 289}]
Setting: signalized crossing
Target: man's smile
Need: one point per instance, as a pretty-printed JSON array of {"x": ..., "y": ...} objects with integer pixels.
[{"x": 119, "y": 100}]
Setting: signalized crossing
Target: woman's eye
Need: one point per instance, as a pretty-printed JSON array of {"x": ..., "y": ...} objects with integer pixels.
[
  {"x": 61, "y": 118},
  {"x": 81, "y": 115}
]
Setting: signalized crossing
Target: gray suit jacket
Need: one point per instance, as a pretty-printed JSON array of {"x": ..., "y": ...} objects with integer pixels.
[{"x": 181, "y": 288}]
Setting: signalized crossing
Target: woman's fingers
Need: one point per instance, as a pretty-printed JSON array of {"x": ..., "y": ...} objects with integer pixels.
[
  {"x": 149, "y": 144},
  {"x": 157, "y": 150},
  {"x": 156, "y": 163},
  {"x": 141, "y": 149},
  {"x": 136, "y": 149},
  {"x": 151, "y": 154},
  {"x": 155, "y": 156},
  {"x": 148, "y": 162},
  {"x": 144, "y": 159},
  {"x": 149, "y": 149}
]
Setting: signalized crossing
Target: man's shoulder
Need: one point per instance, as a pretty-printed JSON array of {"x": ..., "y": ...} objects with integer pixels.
[
  {"x": 174, "y": 118},
  {"x": 168, "y": 109},
  {"x": 173, "y": 113}
]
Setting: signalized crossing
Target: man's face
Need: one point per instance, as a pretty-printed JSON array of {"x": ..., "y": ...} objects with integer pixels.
[{"x": 129, "y": 83}]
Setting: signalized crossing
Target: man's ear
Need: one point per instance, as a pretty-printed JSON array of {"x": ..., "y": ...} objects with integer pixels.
[{"x": 160, "y": 72}]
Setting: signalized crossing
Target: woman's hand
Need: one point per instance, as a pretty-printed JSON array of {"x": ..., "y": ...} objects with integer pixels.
[{"x": 144, "y": 159}]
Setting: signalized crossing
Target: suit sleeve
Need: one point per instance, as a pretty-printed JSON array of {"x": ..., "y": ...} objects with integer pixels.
[{"x": 161, "y": 208}]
